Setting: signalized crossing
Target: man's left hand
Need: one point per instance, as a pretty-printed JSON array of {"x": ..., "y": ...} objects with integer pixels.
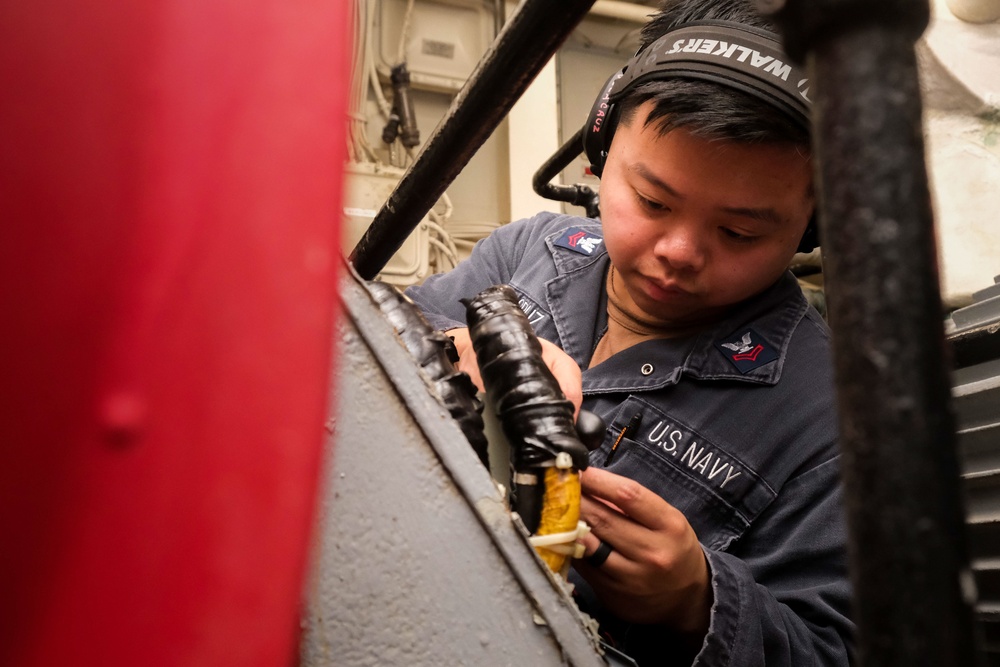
[{"x": 657, "y": 572}]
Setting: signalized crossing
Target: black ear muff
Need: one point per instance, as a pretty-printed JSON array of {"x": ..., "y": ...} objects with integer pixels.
[
  {"x": 601, "y": 125},
  {"x": 810, "y": 239}
]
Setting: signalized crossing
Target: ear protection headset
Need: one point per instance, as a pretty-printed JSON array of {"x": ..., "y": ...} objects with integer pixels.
[{"x": 735, "y": 55}]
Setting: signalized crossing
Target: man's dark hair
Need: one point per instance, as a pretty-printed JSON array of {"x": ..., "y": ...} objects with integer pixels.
[{"x": 703, "y": 108}]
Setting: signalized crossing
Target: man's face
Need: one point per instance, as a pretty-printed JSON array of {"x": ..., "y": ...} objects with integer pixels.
[{"x": 694, "y": 226}]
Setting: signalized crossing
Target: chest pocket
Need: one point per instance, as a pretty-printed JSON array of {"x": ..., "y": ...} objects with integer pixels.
[
  {"x": 538, "y": 317},
  {"x": 718, "y": 493}
]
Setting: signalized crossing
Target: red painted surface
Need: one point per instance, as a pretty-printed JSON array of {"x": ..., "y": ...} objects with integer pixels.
[{"x": 169, "y": 197}]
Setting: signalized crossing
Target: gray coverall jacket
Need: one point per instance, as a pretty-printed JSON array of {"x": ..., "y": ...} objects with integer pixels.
[{"x": 738, "y": 431}]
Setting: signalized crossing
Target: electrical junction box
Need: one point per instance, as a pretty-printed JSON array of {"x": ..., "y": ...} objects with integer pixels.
[
  {"x": 445, "y": 40},
  {"x": 366, "y": 187}
]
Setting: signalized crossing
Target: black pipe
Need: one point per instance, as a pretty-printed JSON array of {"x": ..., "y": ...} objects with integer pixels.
[
  {"x": 402, "y": 120},
  {"x": 578, "y": 194},
  {"x": 432, "y": 351},
  {"x": 530, "y": 38},
  {"x": 537, "y": 419},
  {"x": 913, "y": 590}
]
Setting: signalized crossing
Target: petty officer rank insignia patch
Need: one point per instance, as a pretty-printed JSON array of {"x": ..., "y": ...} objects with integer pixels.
[
  {"x": 747, "y": 350},
  {"x": 577, "y": 240}
]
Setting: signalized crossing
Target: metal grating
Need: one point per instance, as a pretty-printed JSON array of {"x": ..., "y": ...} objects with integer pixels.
[{"x": 976, "y": 391}]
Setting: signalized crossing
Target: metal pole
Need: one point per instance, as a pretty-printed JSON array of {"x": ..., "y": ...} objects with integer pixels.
[
  {"x": 577, "y": 194},
  {"x": 530, "y": 38},
  {"x": 914, "y": 592}
]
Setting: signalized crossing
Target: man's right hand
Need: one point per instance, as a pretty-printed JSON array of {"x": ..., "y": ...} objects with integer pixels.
[{"x": 561, "y": 365}]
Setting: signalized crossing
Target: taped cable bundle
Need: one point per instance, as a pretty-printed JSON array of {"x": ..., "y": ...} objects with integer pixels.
[
  {"x": 537, "y": 419},
  {"x": 430, "y": 350}
]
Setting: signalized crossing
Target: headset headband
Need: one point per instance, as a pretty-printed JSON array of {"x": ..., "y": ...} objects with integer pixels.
[
  {"x": 735, "y": 55},
  {"x": 731, "y": 54}
]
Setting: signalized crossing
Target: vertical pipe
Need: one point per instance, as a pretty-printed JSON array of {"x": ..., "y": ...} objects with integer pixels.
[
  {"x": 577, "y": 194},
  {"x": 913, "y": 587},
  {"x": 167, "y": 290},
  {"x": 533, "y": 34}
]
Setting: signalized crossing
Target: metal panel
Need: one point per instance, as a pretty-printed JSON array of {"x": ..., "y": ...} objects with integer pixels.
[{"x": 418, "y": 562}]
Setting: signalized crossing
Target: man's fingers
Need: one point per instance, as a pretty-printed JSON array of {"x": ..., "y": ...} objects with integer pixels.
[
  {"x": 590, "y": 543},
  {"x": 628, "y": 537},
  {"x": 467, "y": 363},
  {"x": 634, "y": 500},
  {"x": 562, "y": 366},
  {"x": 565, "y": 371},
  {"x": 609, "y": 570}
]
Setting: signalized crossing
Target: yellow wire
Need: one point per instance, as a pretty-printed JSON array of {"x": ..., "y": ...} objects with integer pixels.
[{"x": 560, "y": 512}]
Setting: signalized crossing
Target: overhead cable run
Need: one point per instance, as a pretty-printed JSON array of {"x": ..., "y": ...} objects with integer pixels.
[{"x": 527, "y": 42}]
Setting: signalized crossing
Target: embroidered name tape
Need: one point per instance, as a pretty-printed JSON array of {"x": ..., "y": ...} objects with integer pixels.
[
  {"x": 747, "y": 350},
  {"x": 577, "y": 240}
]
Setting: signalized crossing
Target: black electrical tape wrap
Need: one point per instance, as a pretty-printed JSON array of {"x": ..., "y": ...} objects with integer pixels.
[
  {"x": 535, "y": 415},
  {"x": 430, "y": 350}
]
